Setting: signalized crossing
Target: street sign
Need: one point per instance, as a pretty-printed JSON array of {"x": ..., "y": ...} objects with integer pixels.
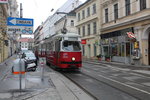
[
  {"x": 42, "y": 60},
  {"x": 19, "y": 29},
  {"x": 131, "y": 35},
  {"x": 12, "y": 21},
  {"x": 3, "y": 1}
]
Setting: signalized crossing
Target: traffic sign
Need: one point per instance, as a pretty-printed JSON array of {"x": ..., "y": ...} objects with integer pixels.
[
  {"x": 20, "y": 29},
  {"x": 12, "y": 21},
  {"x": 131, "y": 35},
  {"x": 42, "y": 60}
]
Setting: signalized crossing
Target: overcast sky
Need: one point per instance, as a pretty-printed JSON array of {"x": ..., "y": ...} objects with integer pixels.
[{"x": 39, "y": 10}]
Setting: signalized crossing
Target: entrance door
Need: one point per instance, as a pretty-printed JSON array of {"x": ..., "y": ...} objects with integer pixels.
[{"x": 89, "y": 46}]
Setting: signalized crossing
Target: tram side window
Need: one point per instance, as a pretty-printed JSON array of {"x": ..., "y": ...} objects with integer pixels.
[{"x": 57, "y": 45}]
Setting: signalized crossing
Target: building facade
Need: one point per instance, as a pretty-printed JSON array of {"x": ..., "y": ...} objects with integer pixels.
[
  {"x": 48, "y": 26},
  {"x": 12, "y": 38},
  {"x": 120, "y": 17},
  {"x": 26, "y": 43},
  {"x": 88, "y": 26},
  {"x": 68, "y": 22},
  {"x": 3, "y": 34}
]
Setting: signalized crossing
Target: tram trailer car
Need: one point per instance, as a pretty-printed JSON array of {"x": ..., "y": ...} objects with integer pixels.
[
  {"x": 64, "y": 51},
  {"x": 42, "y": 50}
]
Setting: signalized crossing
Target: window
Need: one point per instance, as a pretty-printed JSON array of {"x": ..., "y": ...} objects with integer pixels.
[
  {"x": 142, "y": 4},
  {"x": 78, "y": 16},
  {"x": 88, "y": 11},
  {"x": 88, "y": 28},
  {"x": 72, "y": 22},
  {"x": 94, "y": 8},
  {"x": 83, "y": 30},
  {"x": 116, "y": 11},
  {"x": 57, "y": 45},
  {"x": 83, "y": 14},
  {"x": 127, "y": 5},
  {"x": 79, "y": 31},
  {"x": 94, "y": 28},
  {"x": 106, "y": 15},
  {"x": 71, "y": 46},
  {"x": 114, "y": 50}
]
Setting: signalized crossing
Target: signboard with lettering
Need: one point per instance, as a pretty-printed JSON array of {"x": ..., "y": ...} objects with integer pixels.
[
  {"x": 3, "y": 1},
  {"x": 12, "y": 21},
  {"x": 83, "y": 41},
  {"x": 19, "y": 30},
  {"x": 19, "y": 25}
]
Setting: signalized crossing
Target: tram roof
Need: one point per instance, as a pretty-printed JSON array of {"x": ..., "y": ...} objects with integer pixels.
[
  {"x": 62, "y": 35},
  {"x": 68, "y": 34}
]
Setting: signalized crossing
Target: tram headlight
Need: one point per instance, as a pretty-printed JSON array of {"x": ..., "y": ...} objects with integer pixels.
[{"x": 73, "y": 59}]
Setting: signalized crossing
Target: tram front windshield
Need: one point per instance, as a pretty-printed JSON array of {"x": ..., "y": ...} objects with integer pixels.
[{"x": 71, "y": 46}]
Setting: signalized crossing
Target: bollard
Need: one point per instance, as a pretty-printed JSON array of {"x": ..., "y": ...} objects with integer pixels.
[{"x": 16, "y": 67}]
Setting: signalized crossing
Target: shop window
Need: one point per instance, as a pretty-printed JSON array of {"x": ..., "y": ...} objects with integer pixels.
[
  {"x": 114, "y": 49},
  {"x": 119, "y": 49},
  {"x": 122, "y": 50},
  {"x": 106, "y": 50}
]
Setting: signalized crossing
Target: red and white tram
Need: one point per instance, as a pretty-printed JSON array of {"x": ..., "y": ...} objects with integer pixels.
[
  {"x": 64, "y": 50},
  {"x": 40, "y": 50}
]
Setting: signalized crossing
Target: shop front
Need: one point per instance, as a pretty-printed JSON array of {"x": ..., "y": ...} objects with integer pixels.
[{"x": 117, "y": 46}]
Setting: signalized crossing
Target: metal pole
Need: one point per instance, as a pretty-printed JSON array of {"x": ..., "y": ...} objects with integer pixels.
[{"x": 20, "y": 67}]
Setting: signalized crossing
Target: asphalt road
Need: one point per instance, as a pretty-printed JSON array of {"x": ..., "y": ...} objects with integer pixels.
[{"x": 107, "y": 82}]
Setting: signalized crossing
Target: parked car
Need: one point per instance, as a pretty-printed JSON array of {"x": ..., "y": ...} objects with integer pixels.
[
  {"x": 26, "y": 51},
  {"x": 30, "y": 59}
]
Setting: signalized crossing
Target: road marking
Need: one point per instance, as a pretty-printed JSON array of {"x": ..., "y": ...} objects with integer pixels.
[{"x": 124, "y": 84}]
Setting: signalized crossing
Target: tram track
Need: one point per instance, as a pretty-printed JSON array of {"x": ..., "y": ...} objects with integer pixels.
[
  {"x": 127, "y": 89},
  {"x": 101, "y": 82}
]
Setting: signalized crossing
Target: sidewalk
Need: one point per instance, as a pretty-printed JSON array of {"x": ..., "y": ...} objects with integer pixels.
[
  {"x": 54, "y": 86},
  {"x": 6, "y": 66}
]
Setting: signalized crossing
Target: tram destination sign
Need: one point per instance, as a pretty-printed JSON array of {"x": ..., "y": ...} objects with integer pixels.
[{"x": 12, "y": 21}]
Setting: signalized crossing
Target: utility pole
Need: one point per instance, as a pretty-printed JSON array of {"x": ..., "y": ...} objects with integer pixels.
[{"x": 20, "y": 65}]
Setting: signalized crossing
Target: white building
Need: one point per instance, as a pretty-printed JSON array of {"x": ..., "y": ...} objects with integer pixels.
[
  {"x": 48, "y": 25},
  {"x": 12, "y": 12}
]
